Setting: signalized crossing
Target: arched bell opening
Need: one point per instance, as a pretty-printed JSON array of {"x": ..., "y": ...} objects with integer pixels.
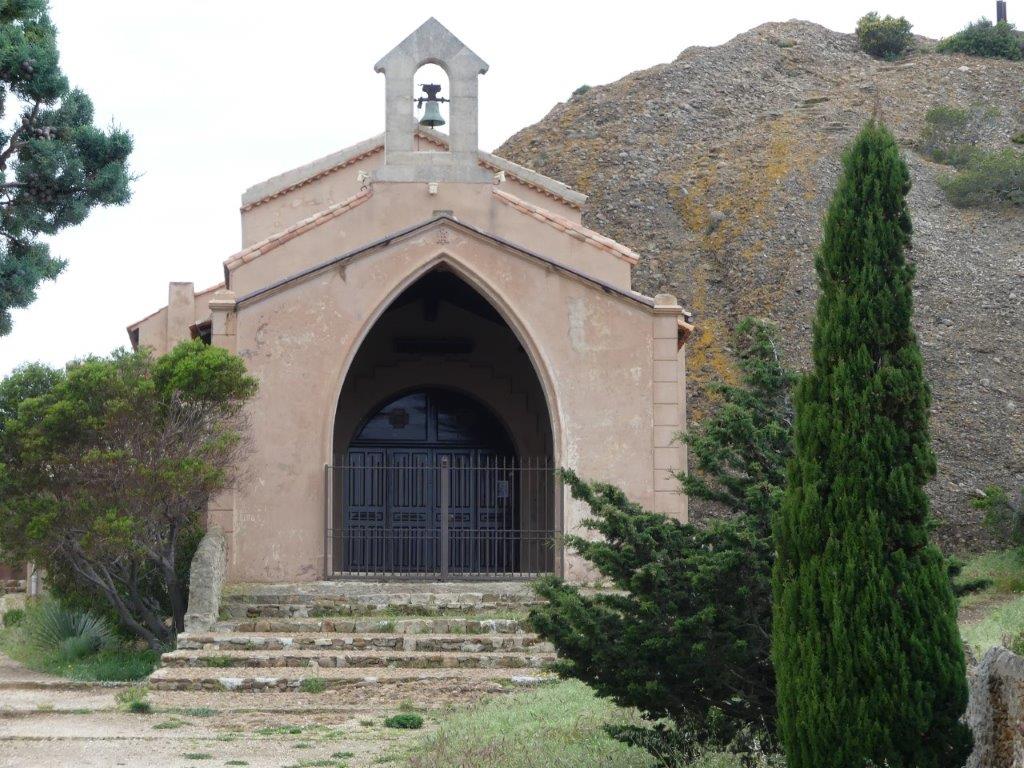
[
  {"x": 442, "y": 445},
  {"x": 432, "y": 97}
]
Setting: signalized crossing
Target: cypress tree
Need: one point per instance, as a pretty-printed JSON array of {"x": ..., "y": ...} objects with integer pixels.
[{"x": 869, "y": 664}]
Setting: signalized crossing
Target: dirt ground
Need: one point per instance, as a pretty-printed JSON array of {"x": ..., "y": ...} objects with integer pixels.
[{"x": 46, "y": 722}]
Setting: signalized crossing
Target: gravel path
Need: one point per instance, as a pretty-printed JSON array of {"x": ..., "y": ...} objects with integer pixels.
[{"x": 45, "y": 723}]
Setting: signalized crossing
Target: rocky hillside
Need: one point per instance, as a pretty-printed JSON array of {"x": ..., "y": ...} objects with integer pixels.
[{"x": 717, "y": 168}]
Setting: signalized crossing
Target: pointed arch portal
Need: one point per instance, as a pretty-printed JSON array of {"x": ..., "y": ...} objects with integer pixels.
[{"x": 443, "y": 450}]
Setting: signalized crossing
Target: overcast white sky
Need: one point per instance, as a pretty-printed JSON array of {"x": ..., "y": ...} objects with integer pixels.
[{"x": 222, "y": 94}]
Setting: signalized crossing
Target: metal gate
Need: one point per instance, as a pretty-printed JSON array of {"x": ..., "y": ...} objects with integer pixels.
[{"x": 441, "y": 512}]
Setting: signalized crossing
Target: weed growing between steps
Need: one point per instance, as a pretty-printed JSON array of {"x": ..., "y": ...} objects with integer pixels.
[{"x": 313, "y": 685}]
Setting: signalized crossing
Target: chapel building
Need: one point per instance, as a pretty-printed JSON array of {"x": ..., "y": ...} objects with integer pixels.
[{"x": 434, "y": 331}]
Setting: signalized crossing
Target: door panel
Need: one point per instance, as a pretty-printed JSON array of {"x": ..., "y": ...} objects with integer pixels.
[
  {"x": 393, "y": 493},
  {"x": 364, "y": 491}
]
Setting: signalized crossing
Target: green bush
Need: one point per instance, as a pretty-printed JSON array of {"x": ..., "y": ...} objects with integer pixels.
[
  {"x": 1003, "y": 514},
  {"x": 685, "y": 636},
  {"x": 1018, "y": 138},
  {"x": 990, "y": 179},
  {"x": 14, "y": 617},
  {"x": 103, "y": 488},
  {"x": 406, "y": 720},
  {"x": 53, "y": 629},
  {"x": 949, "y": 136},
  {"x": 983, "y": 38},
  {"x": 886, "y": 38}
]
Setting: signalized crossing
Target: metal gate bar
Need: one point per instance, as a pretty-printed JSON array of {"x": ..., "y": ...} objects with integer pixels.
[{"x": 461, "y": 515}]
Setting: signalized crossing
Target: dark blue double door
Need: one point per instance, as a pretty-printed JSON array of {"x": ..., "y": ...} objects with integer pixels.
[{"x": 429, "y": 510}]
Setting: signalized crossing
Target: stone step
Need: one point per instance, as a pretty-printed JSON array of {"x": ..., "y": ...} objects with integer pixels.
[
  {"x": 381, "y": 641},
  {"x": 349, "y": 598},
  {"x": 290, "y": 678},
  {"x": 363, "y": 625},
  {"x": 236, "y": 611},
  {"x": 330, "y": 658}
]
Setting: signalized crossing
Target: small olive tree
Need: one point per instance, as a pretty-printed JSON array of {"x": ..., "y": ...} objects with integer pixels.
[{"x": 106, "y": 468}]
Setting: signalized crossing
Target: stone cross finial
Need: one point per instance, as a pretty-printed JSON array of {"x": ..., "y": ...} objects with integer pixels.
[{"x": 431, "y": 44}]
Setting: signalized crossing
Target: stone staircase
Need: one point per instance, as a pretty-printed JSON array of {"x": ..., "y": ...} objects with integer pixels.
[{"x": 332, "y": 635}]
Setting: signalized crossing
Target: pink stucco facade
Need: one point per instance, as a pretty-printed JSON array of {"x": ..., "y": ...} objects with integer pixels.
[{"x": 329, "y": 281}]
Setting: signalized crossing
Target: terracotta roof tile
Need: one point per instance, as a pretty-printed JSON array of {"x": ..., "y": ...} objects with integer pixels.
[
  {"x": 268, "y": 244},
  {"x": 563, "y": 224},
  {"x": 344, "y": 163}
]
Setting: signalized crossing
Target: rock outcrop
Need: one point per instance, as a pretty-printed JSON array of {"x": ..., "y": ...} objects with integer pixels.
[
  {"x": 995, "y": 712},
  {"x": 717, "y": 168}
]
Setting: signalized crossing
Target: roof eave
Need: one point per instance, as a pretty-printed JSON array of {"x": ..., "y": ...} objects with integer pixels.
[{"x": 283, "y": 183}]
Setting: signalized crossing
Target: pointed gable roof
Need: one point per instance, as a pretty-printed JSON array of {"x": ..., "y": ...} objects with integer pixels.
[{"x": 433, "y": 41}]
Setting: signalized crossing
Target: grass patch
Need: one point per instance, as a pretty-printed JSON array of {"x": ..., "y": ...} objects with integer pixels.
[
  {"x": 218, "y": 661},
  {"x": 557, "y": 726},
  {"x": 279, "y": 730},
  {"x": 408, "y": 720},
  {"x": 118, "y": 663},
  {"x": 1004, "y": 569},
  {"x": 236, "y": 762},
  {"x": 199, "y": 711},
  {"x": 134, "y": 700},
  {"x": 313, "y": 685},
  {"x": 197, "y": 756},
  {"x": 170, "y": 725},
  {"x": 1004, "y": 622}
]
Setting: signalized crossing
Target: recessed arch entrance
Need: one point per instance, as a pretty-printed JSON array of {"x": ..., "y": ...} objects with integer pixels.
[{"x": 443, "y": 450}]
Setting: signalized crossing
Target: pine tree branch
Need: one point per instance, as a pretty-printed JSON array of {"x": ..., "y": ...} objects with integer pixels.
[{"x": 26, "y": 128}]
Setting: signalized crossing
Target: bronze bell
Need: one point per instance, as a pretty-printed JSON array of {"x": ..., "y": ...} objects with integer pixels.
[{"x": 432, "y": 114}]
